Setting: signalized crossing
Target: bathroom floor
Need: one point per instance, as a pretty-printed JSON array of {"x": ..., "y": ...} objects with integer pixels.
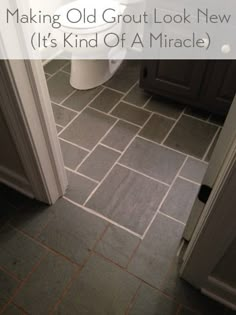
[{"x": 134, "y": 164}]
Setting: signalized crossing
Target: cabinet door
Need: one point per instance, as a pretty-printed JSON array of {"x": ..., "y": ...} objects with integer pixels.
[
  {"x": 219, "y": 86},
  {"x": 180, "y": 79}
]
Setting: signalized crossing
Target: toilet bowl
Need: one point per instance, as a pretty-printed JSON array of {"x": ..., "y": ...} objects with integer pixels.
[{"x": 87, "y": 40}]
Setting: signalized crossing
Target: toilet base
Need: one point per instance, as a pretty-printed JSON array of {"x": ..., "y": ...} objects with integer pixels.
[{"x": 88, "y": 74}]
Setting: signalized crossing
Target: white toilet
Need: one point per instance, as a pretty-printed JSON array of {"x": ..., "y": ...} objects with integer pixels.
[{"x": 90, "y": 73}]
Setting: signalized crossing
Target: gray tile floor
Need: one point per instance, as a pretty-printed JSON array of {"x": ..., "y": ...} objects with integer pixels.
[{"x": 109, "y": 246}]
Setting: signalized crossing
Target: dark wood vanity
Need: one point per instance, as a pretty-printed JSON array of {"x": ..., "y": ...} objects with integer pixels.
[{"x": 206, "y": 84}]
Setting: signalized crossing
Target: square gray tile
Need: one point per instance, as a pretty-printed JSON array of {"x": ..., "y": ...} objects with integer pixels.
[
  {"x": 99, "y": 162},
  {"x": 72, "y": 231},
  {"x": 153, "y": 160},
  {"x": 137, "y": 96},
  {"x": 13, "y": 247},
  {"x": 128, "y": 198},
  {"x": 180, "y": 200},
  {"x": 54, "y": 65},
  {"x": 156, "y": 252},
  {"x": 62, "y": 115},
  {"x": 150, "y": 301},
  {"x": 165, "y": 107},
  {"x": 131, "y": 113},
  {"x": 194, "y": 170},
  {"x": 106, "y": 100},
  {"x": 191, "y": 136},
  {"x": 80, "y": 99},
  {"x": 120, "y": 135},
  {"x": 157, "y": 128},
  {"x": 101, "y": 288},
  {"x": 7, "y": 287},
  {"x": 79, "y": 187},
  {"x": 59, "y": 87},
  {"x": 72, "y": 155},
  {"x": 40, "y": 293},
  {"x": 117, "y": 245},
  {"x": 88, "y": 129}
]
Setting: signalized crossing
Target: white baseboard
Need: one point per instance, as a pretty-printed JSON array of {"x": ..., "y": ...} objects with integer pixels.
[{"x": 15, "y": 181}]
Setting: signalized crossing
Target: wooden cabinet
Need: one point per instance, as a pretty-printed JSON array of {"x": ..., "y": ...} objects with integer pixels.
[{"x": 206, "y": 84}]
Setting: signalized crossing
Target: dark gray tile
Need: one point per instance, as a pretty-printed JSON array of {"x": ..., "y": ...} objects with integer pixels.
[
  {"x": 131, "y": 113},
  {"x": 59, "y": 87},
  {"x": 120, "y": 135},
  {"x": 191, "y": 136},
  {"x": 137, "y": 96},
  {"x": 150, "y": 301},
  {"x": 180, "y": 200},
  {"x": 7, "y": 287},
  {"x": 47, "y": 76},
  {"x": 88, "y": 128},
  {"x": 80, "y": 99},
  {"x": 62, "y": 115},
  {"x": 59, "y": 129},
  {"x": 101, "y": 288},
  {"x": 13, "y": 310},
  {"x": 165, "y": 107},
  {"x": 217, "y": 119},
  {"x": 210, "y": 152},
  {"x": 54, "y": 65},
  {"x": 186, "y": 311},
  {"x": 117, "y": 245},
  {"x": 197, "y": 112},
  {"x": 128, "y": 198},
  {"x": 67, "y": 67},
  {"x": 154, "y": 256},
  {"x": 79, "y": 187},
  {"x": 106, "y": 100},
  {"x": 43, "y": 289},
  {"x": 72, "y": 232},
  {"x": 13, "y": 247},
  {"x": 157, "y": 128},
  {"x": 153, "y": 160},
  {"x": 126, "y": 76},
  {"x": 194, "y": 170},
  {"x": 99, "y": 163},
  {"x": 72, "y": 155}
]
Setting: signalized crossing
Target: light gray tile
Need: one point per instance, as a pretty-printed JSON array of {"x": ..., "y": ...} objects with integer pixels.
[
  {"x": 87, "y": 129},
  {"x": 194, "y": 170},
  {"x": 59, "y": 87},
  {"x": 72, "y": 155},
  {"x": 54, "y": 65},
  {"x": 8, "y": 286},
  {"x": 165, "y": 107},
  {"x": 62, "y": 115},
  {"x": 128, "y": 198},
  {"x": 153, "y": 160},
  {"x": 120, "y": 135},
  {"x": 131, "y": 113},
  {"x": 106, "y": 100},
  {"x": 137, "y": 96},
  {"x": 99, "y": 163}
]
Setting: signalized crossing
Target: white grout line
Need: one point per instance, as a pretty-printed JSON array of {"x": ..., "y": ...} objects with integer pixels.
[
  {"x": 189, "y": 180},
  {"x": 211, "y": 143},
  {"x": 58, "y": 70},
  {"x": 172, "y": 128},
  {"x": 202, "y": 120},
  {"x": 145, "y": 175},
  {"x": 77, "y": 173},
  {"x": 103, "y": 217},
  {"x": 73, "y": 119},
  {"x": 59, "y": 126},
  {"x": 114, "y": 90},
  {"x": 68, "y": 96},
  {"x": 145, "y": 104},
  {"x": 169, "y": 217},
  {"x": 66, "y": 108},
  {"x": 163, "y": 200},
  {"x": 75, "y": 145},
  {"x": 112, "y": 149}
]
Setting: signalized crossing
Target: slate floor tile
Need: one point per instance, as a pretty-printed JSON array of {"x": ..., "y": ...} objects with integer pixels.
[
  {"x": 72, "y": 155},
  {"x": 72, "y": 231},
  {"x": 81, "y": 98},
  {"x": 13, "y": 247},
  {"x": 150, "y": 301},
  {"x": 101, "y": 288},
  {"x": 120, "y": 135},
  {"x": 137, "y": 96},
  {"x": 194, "y": 170},
  {"x": 117, "y": 245},
  {"x": 67, "y": 67},
  {"x": 210, "y": 152},
  {"x": 40, "y": 293},
  {"x": 131, "y": 113},
  {"x": 157, "y": 128},
  {"x": 106, "y": 100},
  {"x": 62, "y": 115},
  {"x": 154, "y": 256},
  {"x": 191, "y": 136},
  {"x": 8, "y": 286},
  {"x": 79, "y": 187},
  {"x": 165, "y": 107},
  {"x": 59, "y": 129},
  {"x": 180, "y": 200},
  {"x": 153, "y": 160},
  {"x": 54, "y": 65},
  {"x": 99, "y": 163},
  {"x": 87, "y": 129},
  {"x": 128, "y": 198},
  {"x": 59, "y": 87},
  {"x": 197, "y": 112}
]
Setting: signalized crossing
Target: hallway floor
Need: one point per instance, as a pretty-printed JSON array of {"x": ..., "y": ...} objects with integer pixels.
[{"x": 134, "y": 164}]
